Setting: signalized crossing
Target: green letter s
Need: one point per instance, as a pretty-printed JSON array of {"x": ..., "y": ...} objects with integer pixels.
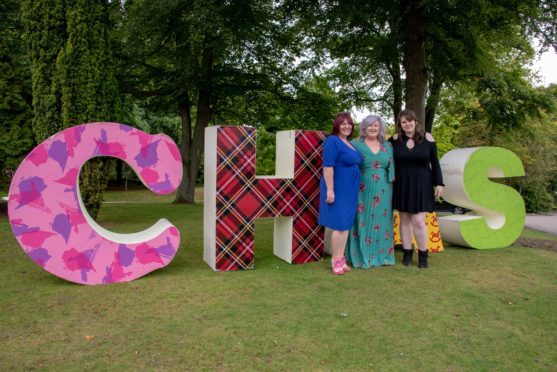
[{"x": 499, "y": 209}]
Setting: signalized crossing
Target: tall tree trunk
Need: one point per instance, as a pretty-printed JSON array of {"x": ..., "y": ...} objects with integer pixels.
[
  {"x": 414, "y": 60},
  {"x": 432, "y": 103},
  {"x": 394, "y": 71},
  {"x": 119, "y": 172},
  {"x": 191, "y": 147},
  {"x": 185, "y": 193},
  {"x": 397, "y": 89}
]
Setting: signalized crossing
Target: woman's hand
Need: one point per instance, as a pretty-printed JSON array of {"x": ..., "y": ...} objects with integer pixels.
[
  {"x": 330, "y": 197},
  {"x": 438, "y": 191}
]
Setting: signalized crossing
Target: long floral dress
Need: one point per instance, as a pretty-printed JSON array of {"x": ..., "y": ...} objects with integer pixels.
[{"x": 370, "y": 242}]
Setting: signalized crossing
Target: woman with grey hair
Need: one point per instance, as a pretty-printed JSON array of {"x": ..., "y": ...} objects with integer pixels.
[{"x": 370, "y": 242}]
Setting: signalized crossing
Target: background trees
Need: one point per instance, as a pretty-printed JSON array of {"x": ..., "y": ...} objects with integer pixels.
[
  {"x": 183, "y": 65},
  {"x": 16, "y": 113},
  {"x": 72, "y": 72},
  {"x": 389, "y": 52},
  {"x": 212, "y": 62}
]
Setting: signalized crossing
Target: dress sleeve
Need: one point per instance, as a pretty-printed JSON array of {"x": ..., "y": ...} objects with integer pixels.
[
  {"x": 435, "y": 166},
  {"x": 329, "y": 152},
  {"x": 391, "y": 166}
]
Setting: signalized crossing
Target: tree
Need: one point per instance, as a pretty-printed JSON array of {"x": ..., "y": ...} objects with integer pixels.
[
  {"x": 89, "y": 91},
  {"x": 45, "y": 35},
  {"x": 206, "y": 61},
  {"x": 477, "y": 41},
  {"x": 16, "y": 114},
  {"x": 73, "y": 79},
  {"x": 415, "y": 55},
  {"x": 465, "y": 123},
  {"x": 437, "y": 43},
  {"x": 357, "y": 46}
]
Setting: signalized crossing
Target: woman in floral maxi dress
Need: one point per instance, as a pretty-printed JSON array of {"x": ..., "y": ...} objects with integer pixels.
[{"x": 370, "y": 241}]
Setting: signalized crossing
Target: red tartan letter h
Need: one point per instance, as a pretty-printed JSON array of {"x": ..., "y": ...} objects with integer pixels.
[{"x": 235, "y": 197}]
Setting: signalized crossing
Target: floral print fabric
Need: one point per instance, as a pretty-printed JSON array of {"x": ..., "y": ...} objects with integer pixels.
[{"x": 370, "y": 242}]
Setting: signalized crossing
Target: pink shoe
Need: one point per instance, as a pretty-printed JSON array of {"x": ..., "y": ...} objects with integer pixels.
[
  {"x": 345, "y": 267},
  {"x": 337, "y": 265}
]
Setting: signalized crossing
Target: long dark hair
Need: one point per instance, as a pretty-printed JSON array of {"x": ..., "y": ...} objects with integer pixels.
[
  {"x": 419, "y": 133},
  {"x": 339, "y": 119}
]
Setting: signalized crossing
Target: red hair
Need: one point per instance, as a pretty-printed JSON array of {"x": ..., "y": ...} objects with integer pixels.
[{"x": 339, "y": 119}]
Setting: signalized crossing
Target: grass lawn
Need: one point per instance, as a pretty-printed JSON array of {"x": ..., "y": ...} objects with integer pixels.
[
  {"x": 471, "y": 310},
  {"x": 534, "y": 234}
]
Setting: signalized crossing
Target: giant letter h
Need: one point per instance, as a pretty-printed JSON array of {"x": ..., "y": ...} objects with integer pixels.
[{"x": 235, "y": 197}]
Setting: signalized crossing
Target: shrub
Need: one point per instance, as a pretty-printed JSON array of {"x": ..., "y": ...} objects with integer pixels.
[{"x": 92, "y": 183}]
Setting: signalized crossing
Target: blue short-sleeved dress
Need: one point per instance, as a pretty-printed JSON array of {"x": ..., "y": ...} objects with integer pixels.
[{"x": 346, "y": 165}]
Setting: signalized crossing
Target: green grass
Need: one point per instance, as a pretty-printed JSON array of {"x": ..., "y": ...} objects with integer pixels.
[
  {"x": 142, "y": 195},
  {"x": 471, "y": 310},
  {"x": 535, "y": 234}
]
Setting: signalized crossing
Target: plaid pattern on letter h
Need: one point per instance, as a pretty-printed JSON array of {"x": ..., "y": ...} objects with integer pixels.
[{"x": 235, "y": 197}]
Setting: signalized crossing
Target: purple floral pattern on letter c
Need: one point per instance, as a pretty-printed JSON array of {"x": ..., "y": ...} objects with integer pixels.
[{"x": 52, "y": 225}]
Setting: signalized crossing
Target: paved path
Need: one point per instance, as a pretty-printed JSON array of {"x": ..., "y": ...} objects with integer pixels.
[{"x": 542, "y": 222}]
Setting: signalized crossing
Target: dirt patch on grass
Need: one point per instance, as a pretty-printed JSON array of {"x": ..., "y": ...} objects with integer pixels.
[{"x": 548, "y": 245}]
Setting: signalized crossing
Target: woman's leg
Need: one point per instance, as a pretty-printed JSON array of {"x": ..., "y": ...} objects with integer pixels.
[
  {"x": 338, "y": 242},
  {"x": 338, "y": 245},
  {"x": 420, "y": 233},
  {"x": 420, "y": 230},
  {"x": 406, "y": 230},
  {"x": 406, "y": 237}
]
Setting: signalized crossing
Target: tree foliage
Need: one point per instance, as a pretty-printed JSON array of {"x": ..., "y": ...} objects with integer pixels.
[
  {"x": 464, "y": 124},
  {"x": 45, "y": 34},
  {"x": 16, "y": 114},
  {"x": 185, "y": 64},
  {"x": 213, "y": 62},
  {"x": 89, "y": 91},
  {"x": 382, "y": 51},
  {"x": 73, "y": 79}
]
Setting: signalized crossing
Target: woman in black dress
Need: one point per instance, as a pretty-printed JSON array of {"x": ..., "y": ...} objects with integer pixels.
[{"x": 418, "y": 181}]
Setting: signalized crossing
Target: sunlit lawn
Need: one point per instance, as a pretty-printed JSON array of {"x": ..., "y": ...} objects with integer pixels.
[{"x": 471, "y": 310}]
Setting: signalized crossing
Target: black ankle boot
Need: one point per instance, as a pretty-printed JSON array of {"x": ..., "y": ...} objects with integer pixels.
[
  {"x": 422, "y": 259},
  {"x": 407, "y": 258}
]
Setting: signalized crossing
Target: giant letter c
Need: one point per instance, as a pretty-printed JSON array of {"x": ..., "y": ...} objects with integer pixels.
[{"x": 52, "y": 225}]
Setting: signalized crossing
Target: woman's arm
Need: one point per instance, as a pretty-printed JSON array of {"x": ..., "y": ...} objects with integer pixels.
[
  {"x": 391, "y": 166},
  {"x": 437, "y": 176},
  {"x": 328, "y": 175},
  {"x": 330, "y": 152}
]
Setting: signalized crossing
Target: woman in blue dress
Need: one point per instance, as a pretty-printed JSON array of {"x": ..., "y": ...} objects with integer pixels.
[
  {"x": 370, "y": 242},
  {"x": 339, "y": 187}
]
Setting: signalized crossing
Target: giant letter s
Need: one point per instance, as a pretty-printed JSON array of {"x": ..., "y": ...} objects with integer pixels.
[{"x": 499, "y": 209}]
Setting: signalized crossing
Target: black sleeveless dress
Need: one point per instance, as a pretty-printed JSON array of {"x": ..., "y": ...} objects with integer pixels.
[{"x": 417, "y": 171}]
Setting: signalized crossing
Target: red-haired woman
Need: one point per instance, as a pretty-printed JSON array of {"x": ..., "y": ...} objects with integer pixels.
[
  {"x": 339, "y": 187},
  {"x": 418, "y": 180}
]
